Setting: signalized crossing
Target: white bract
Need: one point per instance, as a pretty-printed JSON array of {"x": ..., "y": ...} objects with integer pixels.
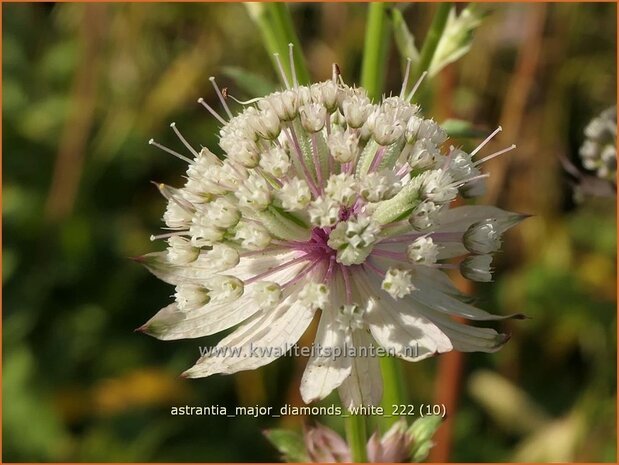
[{"x": 325, "y": 203}]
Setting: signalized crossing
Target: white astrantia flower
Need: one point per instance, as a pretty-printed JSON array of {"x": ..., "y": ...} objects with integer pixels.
[{"x": 325, "y": 204}]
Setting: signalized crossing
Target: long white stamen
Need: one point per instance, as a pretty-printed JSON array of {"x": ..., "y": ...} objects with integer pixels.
[
  {"x": 281, "y": 70},
  {"x": 416, "y": 86},
  {"x": 211, "y": 111},
  {"x": 486, "y": 140},
  {"x": 406, "y": 75},
  {"x": 166, "y": 236},
  {"x": 221, "y": 97},
  {"x": 495, "y": 154},
  {"x": 293, "y": 71},
  {"x": 183, "y": 140},
  {"x": 474, "y": 178},
  {"x": 170, "y": 151}
]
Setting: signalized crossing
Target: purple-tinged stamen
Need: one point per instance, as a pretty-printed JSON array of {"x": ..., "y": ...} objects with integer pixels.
[
  {"x": 345, "y": 274},
  {"x": 304, "y": 272},
  {"x": 277, "y": 268},
  {"x": 403, "y": 171},
  {"x": 374, "y": 268},
  {"x": 292, "y": 138},
  {"x": 386, "y": 253},
  {"x": 329, "y": 269},
  {"x": 317, "y": 163},
  {"x": 378, "y": 157}
]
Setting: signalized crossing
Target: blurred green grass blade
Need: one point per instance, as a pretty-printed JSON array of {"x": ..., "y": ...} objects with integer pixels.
[
  {"x": 432, "y": 39},
  {"x": 251, "y": 83},
  {"x": 277, "y": 30},
  {"x": 289, "y": 443},
  {"x": 461, "y": 129},
  {"x": 404, "y": 39},
  {"x": 375, "y": 50}
]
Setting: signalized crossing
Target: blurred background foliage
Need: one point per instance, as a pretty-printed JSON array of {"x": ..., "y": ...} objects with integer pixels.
[{"x": 85, "y": 86}]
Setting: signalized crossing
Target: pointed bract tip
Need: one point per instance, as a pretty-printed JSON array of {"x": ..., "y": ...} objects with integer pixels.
[
  {"x": 137, "y": 259},
  {"x": 141, "y": 329}
]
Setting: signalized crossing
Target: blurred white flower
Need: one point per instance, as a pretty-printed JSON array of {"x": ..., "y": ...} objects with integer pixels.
[
  {"x": 325, "y": 202},
  {"x": 599, "y": 151}
]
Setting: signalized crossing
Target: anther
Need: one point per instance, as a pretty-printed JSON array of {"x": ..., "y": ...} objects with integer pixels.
[{"x": 170, "y": 151}]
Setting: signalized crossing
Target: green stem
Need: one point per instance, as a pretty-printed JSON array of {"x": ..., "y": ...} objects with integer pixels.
[
  {"x": 432, "y": 39},
  {"x": 394, "y": 391},
  {"x": 356, "y": 435},
  {"x": 277, "y": 31},
  {"x": 375, "y": 50}
]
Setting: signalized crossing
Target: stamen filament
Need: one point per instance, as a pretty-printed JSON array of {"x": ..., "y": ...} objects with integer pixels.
[
  {"x": 293, "y": 71},
  {"x": 406, "y": 75},
  {"x": 495, "y": 154},
  {"x": 317, "y": 162},
  {"x": 416, "y": 86},
  {"x": 281, "y": 70},
  {"x": 303, "y": 273},
  {"x": 276, "y": 268},
  {"x": 170, "y": 151},
  {"x": 211, "y": 111},
  {"x": 183, "y": 140},
  {"x": 221, "y": 97},
  {"x": 292, "y": 138},
  {"x": 486, "y": 140}
]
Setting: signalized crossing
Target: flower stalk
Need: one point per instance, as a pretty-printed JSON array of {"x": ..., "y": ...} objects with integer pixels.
[
  {"x": 394, "y": 392},
  {"x": 356, "y": 434},
  {"x": 277, "y": 30},
  {"x": 375, "y": 50},
  {"x": 432, "y": 39}
]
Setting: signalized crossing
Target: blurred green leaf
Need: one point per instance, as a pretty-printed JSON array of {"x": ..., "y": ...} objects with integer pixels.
[
  {"x": 254, "y": 85},
  {"x": 461, "y": 129},
  {"x": 289, "y": 443}
]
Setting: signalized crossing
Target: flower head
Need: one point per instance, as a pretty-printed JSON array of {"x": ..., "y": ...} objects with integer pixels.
[{"x": 325, "y": 203}]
